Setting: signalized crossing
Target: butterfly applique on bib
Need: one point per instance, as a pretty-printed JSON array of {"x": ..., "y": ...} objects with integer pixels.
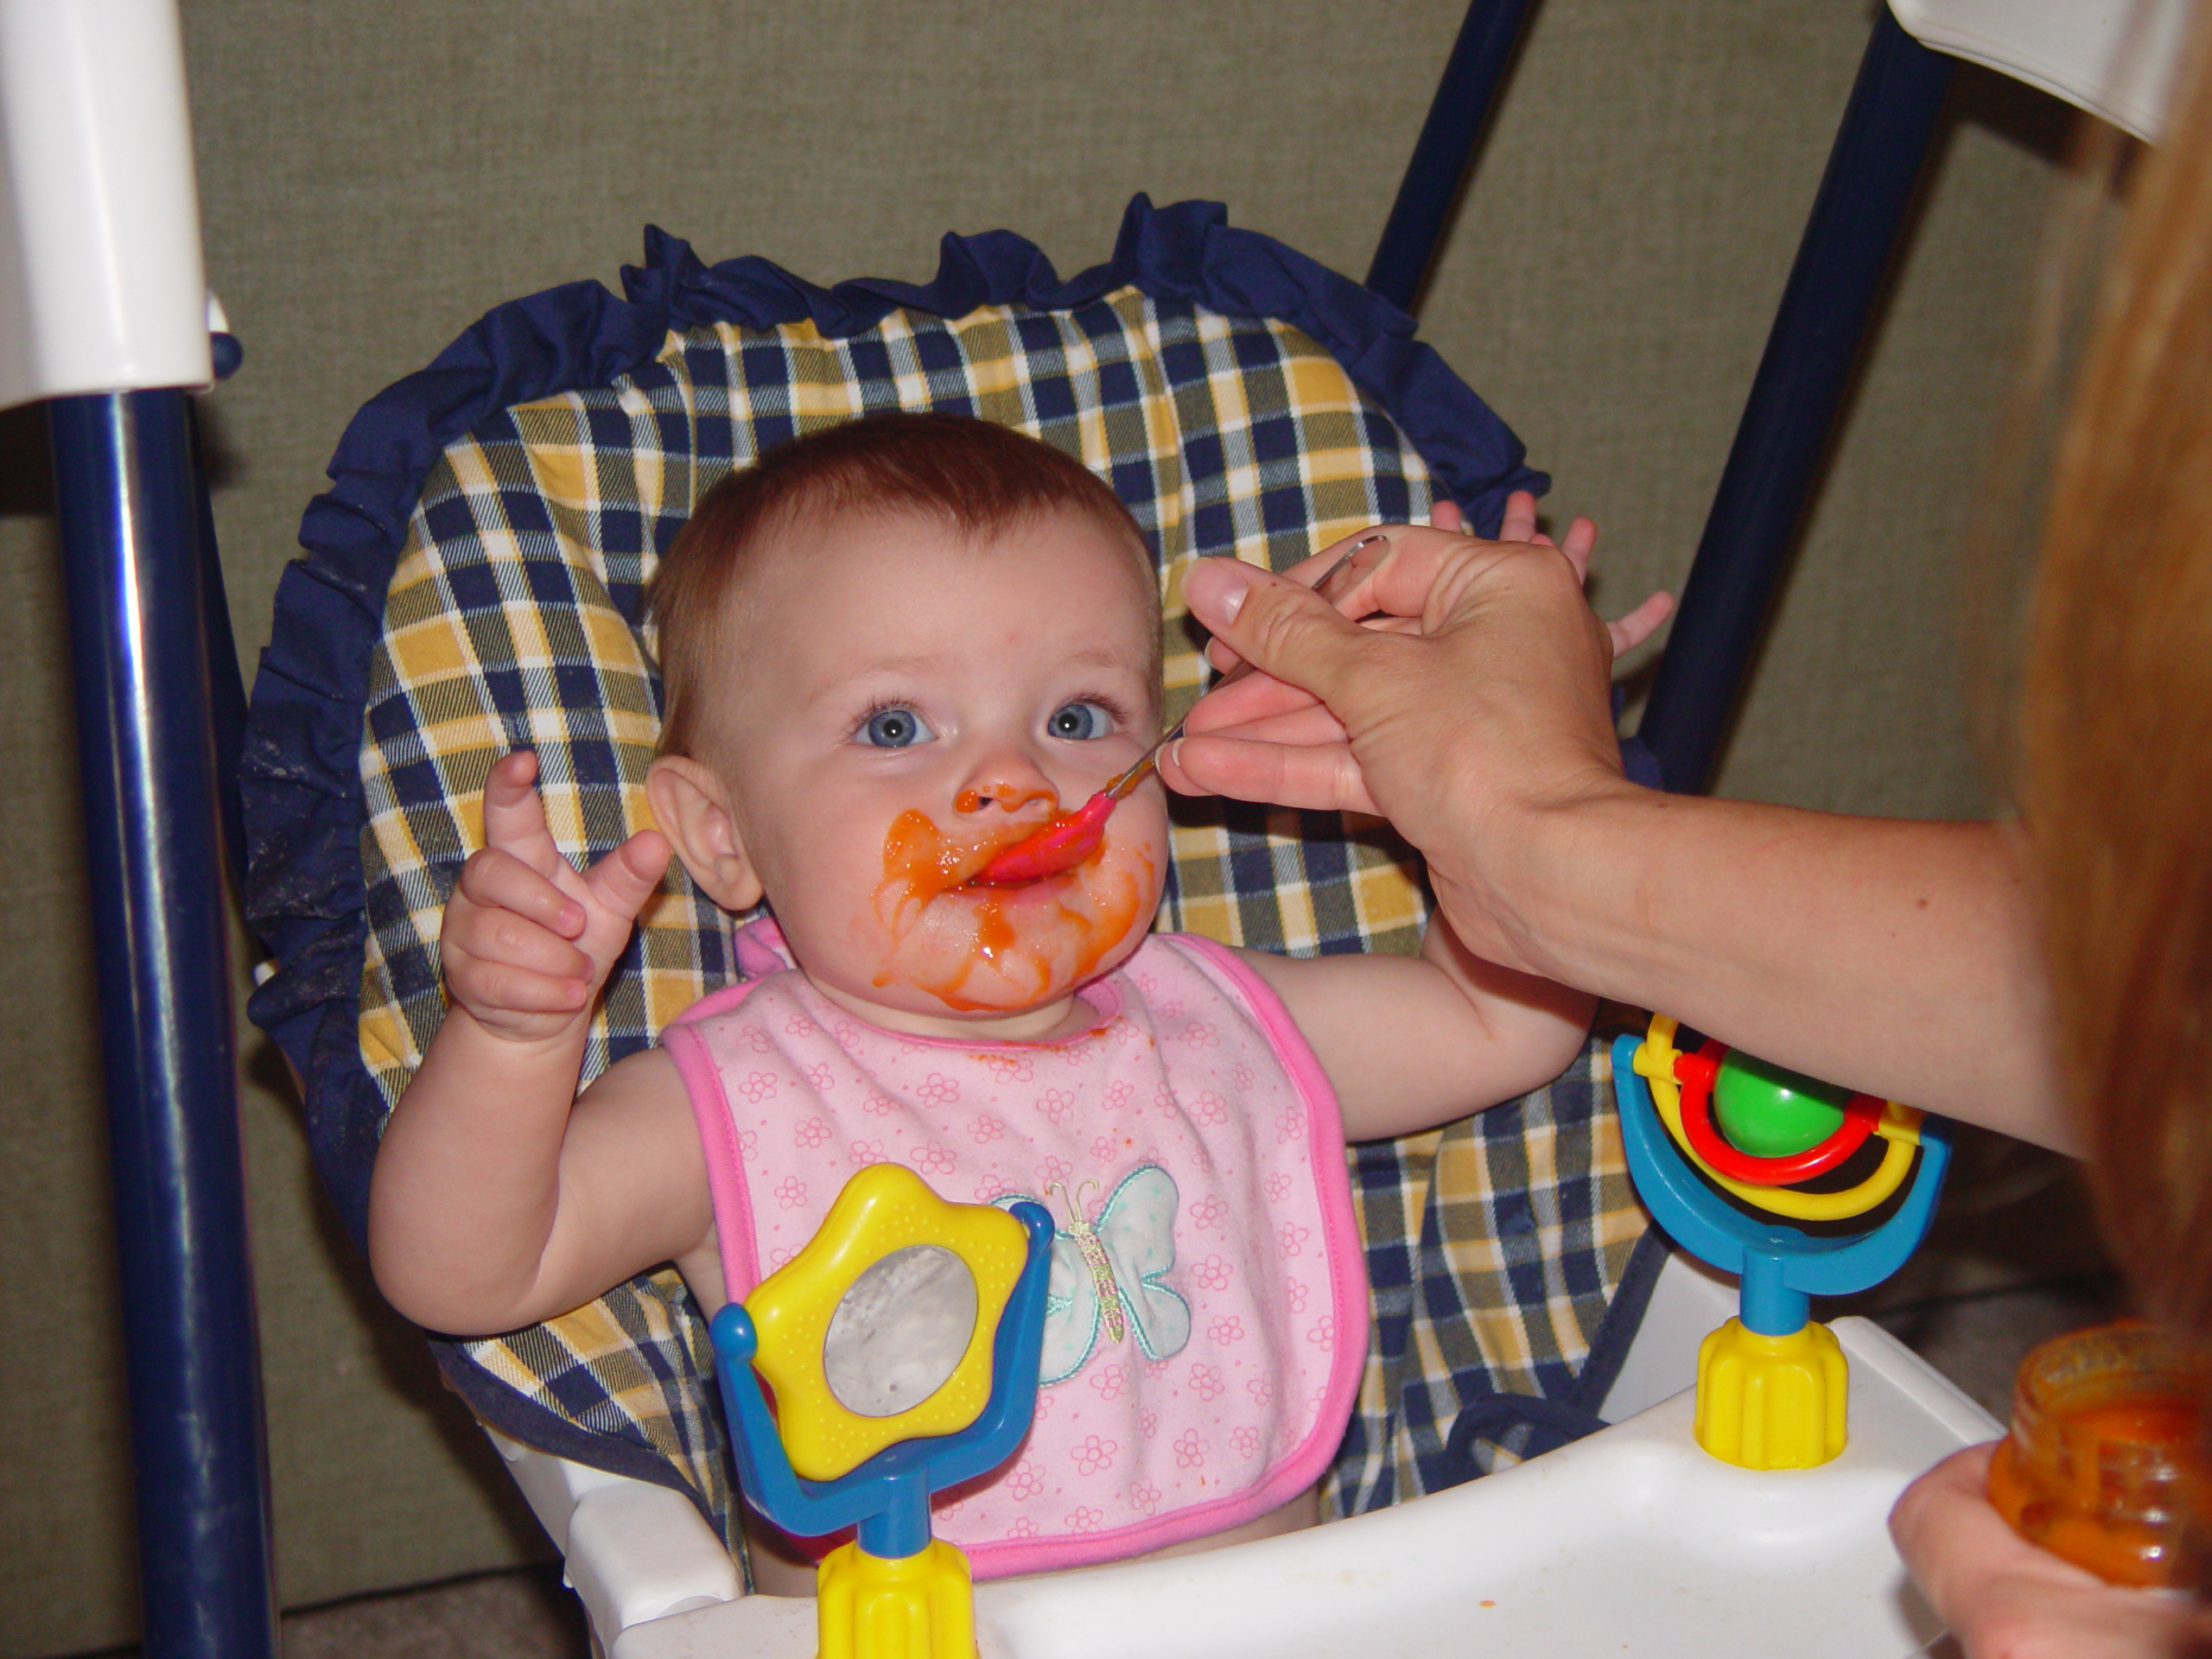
[{"x": 1107, "y": 1276}]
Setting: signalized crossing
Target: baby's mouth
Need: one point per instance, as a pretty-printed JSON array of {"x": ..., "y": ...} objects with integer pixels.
[
  {"x": 928, "y": 861},
  {"x": 990, "y": 878}
]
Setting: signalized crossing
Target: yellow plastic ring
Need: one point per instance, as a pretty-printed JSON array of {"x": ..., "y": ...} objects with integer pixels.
[{"x": 1899, "y": 1126}]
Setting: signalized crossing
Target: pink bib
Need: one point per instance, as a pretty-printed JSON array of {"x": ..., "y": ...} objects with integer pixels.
[{"x": 1206, "y": 1322}]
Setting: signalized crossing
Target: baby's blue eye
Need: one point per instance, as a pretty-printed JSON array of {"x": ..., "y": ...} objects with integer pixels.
[
  {"x": 895, "y": 728},
  {"x": 1080, "y": 721}
]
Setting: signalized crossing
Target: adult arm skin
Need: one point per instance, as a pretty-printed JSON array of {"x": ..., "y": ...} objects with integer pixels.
[{"x": 1894, "y": 957}]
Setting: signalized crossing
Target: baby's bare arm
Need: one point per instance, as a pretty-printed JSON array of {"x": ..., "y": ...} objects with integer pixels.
[
  {"x": 492, "y": 1204},
  {"x": 1410, "y": 1042}
]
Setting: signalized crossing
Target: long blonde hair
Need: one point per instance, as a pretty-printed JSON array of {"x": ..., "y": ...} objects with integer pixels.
[{"x": 2115, "y": 780}]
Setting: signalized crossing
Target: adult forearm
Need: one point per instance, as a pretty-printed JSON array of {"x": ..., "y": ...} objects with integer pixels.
[{"x": 1894, "y": 956}]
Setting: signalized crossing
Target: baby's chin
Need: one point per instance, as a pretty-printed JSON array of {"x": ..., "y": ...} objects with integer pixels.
[{"x": 1006, "y": 950}]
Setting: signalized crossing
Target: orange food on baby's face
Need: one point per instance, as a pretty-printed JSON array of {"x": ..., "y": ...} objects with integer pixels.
[{"x": 977, "y": 948}]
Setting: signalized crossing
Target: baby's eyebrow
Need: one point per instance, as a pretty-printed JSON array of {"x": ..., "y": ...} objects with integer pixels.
[
  {"x": 1099, "y": 657},
  {"x": 920, "y": 666}
]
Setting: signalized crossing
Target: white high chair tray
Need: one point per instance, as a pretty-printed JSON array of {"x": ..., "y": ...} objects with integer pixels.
[{"x": 1630, "y": 1541}]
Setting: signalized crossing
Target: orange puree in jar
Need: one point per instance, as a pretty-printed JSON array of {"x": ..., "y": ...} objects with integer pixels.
[
  {"x": 975, "y": 947},
  {"x": 2094, "y": 1470}
]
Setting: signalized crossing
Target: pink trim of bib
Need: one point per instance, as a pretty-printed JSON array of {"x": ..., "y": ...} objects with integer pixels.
[{"x": 702, "y": 1087}]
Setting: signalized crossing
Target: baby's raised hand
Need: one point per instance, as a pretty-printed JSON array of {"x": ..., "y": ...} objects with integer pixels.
[
  {"x": 1579, "y": 543},
  {"x": 527, "y": 940}
]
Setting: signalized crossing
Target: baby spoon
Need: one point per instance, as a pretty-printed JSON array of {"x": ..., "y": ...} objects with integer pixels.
[{"x": 1069, "y": 839}]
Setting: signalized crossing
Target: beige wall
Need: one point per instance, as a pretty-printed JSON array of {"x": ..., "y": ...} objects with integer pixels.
[{"x": 375, "y": 175}]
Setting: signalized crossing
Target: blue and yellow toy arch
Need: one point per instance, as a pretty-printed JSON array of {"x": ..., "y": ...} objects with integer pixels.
[
  {"x": 1773, "y": 1385},
  {"x": 1782, "y": 1265}
]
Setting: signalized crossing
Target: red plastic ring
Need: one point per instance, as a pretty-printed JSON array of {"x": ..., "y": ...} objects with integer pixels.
[{"x": 1696, "y": 1073}]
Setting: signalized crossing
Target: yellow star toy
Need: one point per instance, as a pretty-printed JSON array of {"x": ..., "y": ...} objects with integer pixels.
[{"x": 902, "y": 1344}]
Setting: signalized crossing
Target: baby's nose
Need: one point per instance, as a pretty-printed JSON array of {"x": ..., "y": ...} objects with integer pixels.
[{"x": 1005, "y": 794}]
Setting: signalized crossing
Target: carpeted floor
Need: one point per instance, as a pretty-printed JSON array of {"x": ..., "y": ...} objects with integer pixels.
[{"x": 525, "y": 1615}]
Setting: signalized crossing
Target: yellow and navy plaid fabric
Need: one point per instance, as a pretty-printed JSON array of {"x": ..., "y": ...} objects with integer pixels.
[{"x": 514, "y": 618}]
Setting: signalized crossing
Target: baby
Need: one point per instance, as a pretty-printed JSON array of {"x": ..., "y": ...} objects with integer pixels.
[{"x": 890, "y": 651}]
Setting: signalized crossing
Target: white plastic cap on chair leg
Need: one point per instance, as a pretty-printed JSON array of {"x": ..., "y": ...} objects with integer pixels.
[{"x": 102, "y": 287}]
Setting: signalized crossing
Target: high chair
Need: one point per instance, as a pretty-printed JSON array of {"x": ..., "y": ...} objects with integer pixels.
[
  {"x": 463, "y": 479},
  {"x": 508, "y": 504}
]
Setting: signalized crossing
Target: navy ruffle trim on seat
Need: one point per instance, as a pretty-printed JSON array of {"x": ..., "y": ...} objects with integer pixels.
[{"x": 301, "y": 774}]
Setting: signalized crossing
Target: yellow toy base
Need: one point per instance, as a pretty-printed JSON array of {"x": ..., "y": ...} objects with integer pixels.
[
  {"x": 907, "y": 1607},
  {"x": 1771, "y": 1403}
]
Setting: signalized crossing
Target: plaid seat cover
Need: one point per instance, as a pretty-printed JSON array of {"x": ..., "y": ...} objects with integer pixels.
[{"x": 514, "y": 617}]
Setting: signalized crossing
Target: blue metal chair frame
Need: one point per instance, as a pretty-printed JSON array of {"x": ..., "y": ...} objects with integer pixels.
[
  {"x": 1843, "y": 260},
  {"x": 160, "y": 704}
]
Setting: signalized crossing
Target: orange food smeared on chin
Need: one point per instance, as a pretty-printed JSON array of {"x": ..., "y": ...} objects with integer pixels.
[{"x": 1002, "y": 947}]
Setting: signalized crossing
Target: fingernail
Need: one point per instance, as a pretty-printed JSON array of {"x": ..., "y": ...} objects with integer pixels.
[
  {"x": 1216, "y": 589},
  {"x": 1175, "y": 754}
]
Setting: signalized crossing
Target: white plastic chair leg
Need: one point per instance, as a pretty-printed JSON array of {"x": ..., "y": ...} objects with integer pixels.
[{"x": 633, "y": 1551}]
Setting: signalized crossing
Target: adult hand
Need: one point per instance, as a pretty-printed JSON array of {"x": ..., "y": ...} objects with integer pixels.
[
  {"x": 1477, "y": 687},
  {"x": 2005, "y": 1598}
]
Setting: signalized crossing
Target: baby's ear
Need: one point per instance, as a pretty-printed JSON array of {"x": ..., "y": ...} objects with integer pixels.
[{"x": 693, "y": 809}]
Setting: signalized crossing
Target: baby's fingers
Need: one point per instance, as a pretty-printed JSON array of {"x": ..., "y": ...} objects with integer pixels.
[
  {"x": 629, "y": 875},
  {"x": 1640, "y": 624},
  {"x": 519, "y": 1001},
  {"x": 514, "y": 818},
  {"x": 1580, "y": 542},
  {"x": 500, "y": 939},
  {"x": 497, "y": 880},
  {"x": 1519, "y": 523}
]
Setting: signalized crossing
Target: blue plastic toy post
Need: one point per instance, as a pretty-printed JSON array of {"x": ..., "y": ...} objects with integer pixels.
[
  {"x": 888, "y": 1498},
  {"x": 1781, "y": 1265}
]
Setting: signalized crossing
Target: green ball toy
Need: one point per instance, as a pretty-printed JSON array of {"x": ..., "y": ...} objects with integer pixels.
[{"x": 1770, "y": 1113}]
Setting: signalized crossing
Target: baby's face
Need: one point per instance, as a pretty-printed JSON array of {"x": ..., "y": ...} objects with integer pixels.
[{"x": 913, "y": 700}]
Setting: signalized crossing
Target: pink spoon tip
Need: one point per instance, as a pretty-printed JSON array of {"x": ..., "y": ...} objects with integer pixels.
[{"x": 1060, "y": 845}]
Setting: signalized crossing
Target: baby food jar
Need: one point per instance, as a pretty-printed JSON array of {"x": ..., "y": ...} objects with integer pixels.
[{"x": 2099, "y": 1464}]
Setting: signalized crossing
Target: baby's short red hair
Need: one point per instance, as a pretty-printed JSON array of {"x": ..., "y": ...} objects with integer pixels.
[{"x": 977, "y": 476}]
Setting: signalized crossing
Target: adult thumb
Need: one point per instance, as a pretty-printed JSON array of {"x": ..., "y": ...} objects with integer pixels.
[{"x": 1279, "y": 626}]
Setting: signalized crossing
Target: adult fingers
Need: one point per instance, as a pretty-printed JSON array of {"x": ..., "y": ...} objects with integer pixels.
[
  {"x": 1283, "y": 628},
  {"x": 1340, "y": 570},
  {"x": 629, "y": 875},
  {"x": 499, "y": 878},
  {"x": 1309, "y": 725},
  {"x": 1317, "y": 778},
  {"x": 1254, "y": 697}
]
